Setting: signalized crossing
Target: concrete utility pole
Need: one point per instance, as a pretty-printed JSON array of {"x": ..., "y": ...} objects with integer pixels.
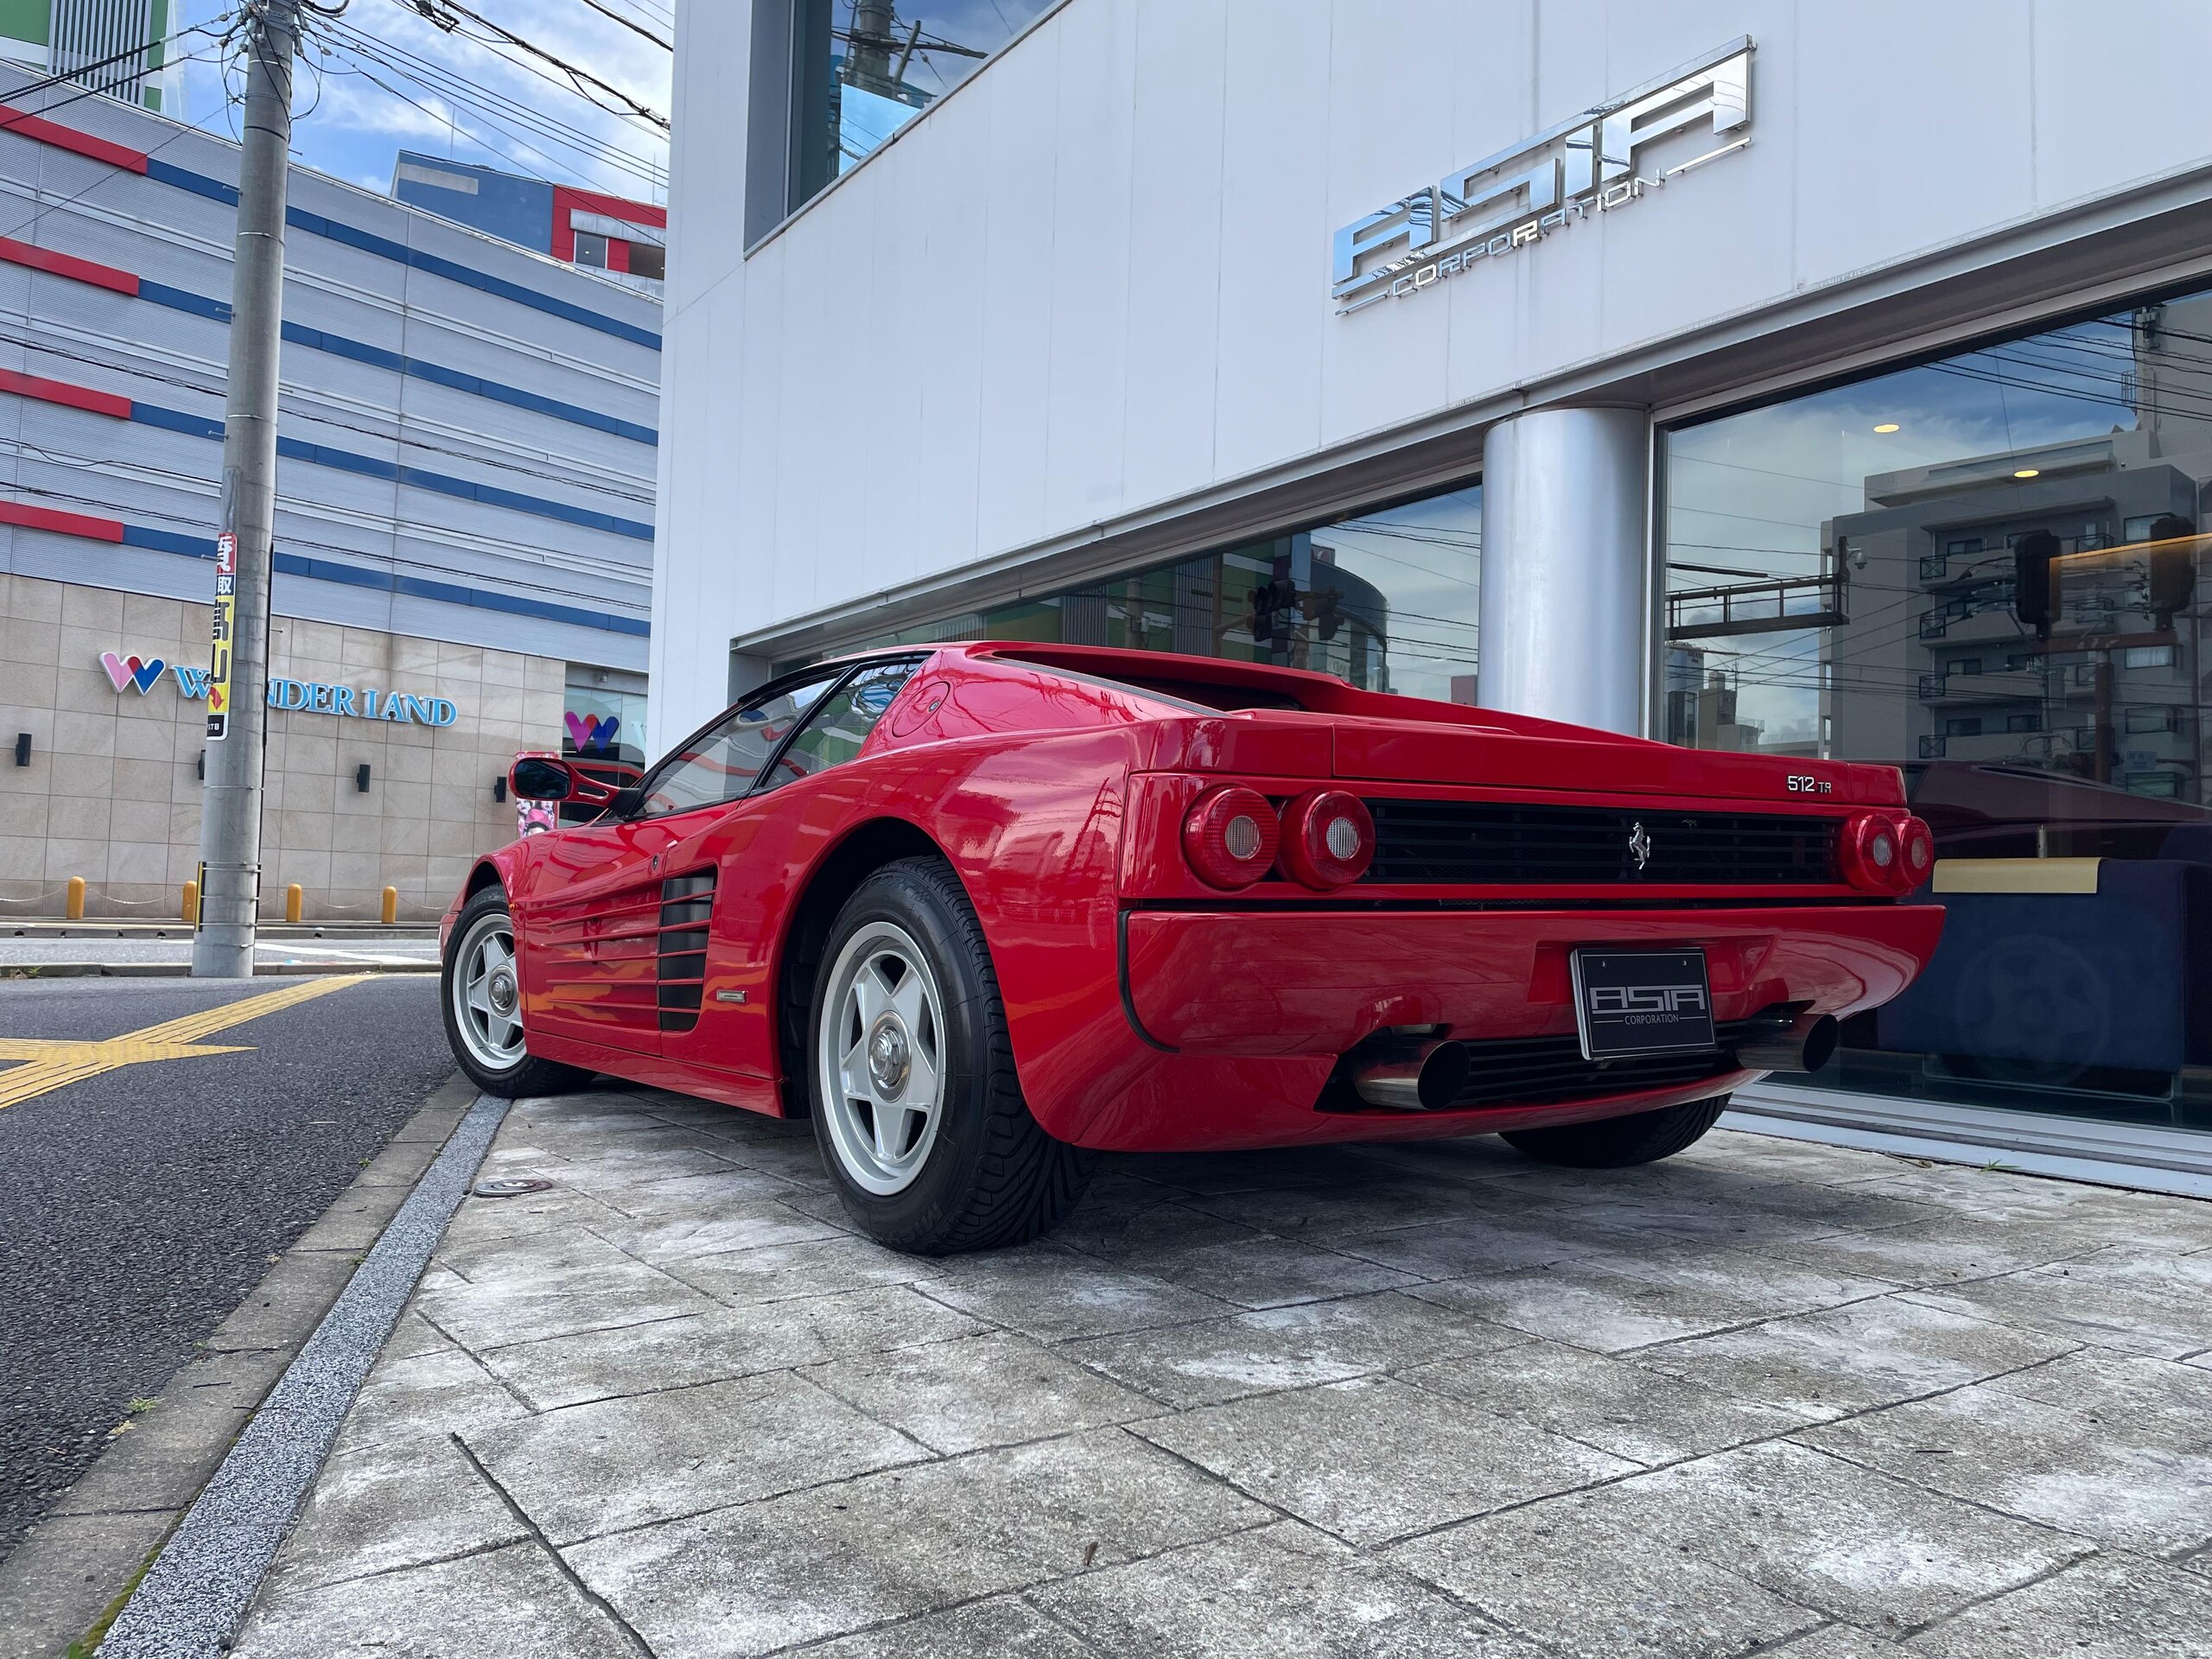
[{"x": 230, "y": 812}]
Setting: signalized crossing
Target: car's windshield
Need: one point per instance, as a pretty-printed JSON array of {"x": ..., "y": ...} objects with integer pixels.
[{"x": 721, "y": 765}]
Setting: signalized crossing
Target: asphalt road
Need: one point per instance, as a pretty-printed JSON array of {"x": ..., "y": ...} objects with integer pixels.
[{"x": 137, "y": 1207}]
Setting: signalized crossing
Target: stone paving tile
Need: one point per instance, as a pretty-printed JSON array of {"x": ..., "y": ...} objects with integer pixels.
[
  {"x": 1845, "y": 1359},
  {"x": 1944, "y": 1248},
  {"x": 1581, "y": 1577},
  {"x": 980, "y": 1391},
  {"x": 628, "y": 1462},
  {"x": 1621, "y": 1300},
  {"x": 1283, "y": 1591},
  {"x": 1052, "y": 1294},
  {"x": 695, "y": 1226},
  {"x": 1839, "y": 1642},
  {"x": 2114, "y": 1607},
  {"x": 445, "y": 1391},
  {"x": 398, "y": 1504},
  {"x": 1005, "y": 1627},
  {"x": 1850, "y": 1543},
  {"x": 1293, "y": 1347},
  {"x": 1618, "y": 1406},
  {"x": 1361, "y": 1202},
  {"x": 1265, "y": 1272},
  {"x": 1374, "y": 1458},
  {"x": 719, "y": 1346},
  {"x": 1484, "y": 1436},
  {"x": 779, "y": 1273},
  {"x": 530, "y": 1306},
  {"x": 2119, "y": 1298},
  {"x": 2099, "y": 1467},
  {"x": 1469, "y": 1246},
  {"x": 508, "y": 1603},
  {"x": 839, "y": 1559}
]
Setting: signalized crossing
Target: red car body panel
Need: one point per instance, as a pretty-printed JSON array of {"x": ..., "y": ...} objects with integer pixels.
[{"x": 1147, "y": 1010}]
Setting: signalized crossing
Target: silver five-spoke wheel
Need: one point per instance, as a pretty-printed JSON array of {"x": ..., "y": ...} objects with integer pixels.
[
  {"x": 487, "y": 996},
  {"x": 882, "y": 1058}
]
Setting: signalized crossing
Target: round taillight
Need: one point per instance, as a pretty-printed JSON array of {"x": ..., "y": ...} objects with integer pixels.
[
  {"x": 1230, "y": 837},
  {"x": 1916, "y": 843},
  {"x": 1876, "y": 854},
  {"x": 1328, "y": 838}
]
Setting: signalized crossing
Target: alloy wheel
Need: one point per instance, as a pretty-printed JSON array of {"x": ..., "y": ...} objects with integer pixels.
[
  {"x": 881, "y": 1055},
  {"x": 487, "y": 994}
]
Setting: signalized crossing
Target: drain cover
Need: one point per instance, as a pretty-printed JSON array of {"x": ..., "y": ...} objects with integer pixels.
[{"x": 509, "y": 1189}]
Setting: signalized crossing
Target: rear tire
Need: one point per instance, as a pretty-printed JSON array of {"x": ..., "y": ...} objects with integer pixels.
[
  {"x": 916, "y": 1106},
  {"x": 1617, "y": 1142},
  {"x": 481, "y": 994}
]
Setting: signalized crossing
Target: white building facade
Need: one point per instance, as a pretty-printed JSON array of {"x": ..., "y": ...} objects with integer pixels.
[{"x": 1813, "y": 380}]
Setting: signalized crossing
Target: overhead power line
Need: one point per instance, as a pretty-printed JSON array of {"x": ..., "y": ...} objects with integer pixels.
[
  {"x": 447, "y": 15},
  {"x": 635, "y": 27}
]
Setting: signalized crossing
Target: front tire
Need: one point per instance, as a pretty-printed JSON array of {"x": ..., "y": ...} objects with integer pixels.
[
  {"x": 1617, "y": 1142},
  {"x": 916, "y": 1109},
  {"x": 480, "y": 991}
]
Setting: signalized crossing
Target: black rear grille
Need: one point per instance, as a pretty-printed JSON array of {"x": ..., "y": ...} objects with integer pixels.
[
  {"x": 1514, "y": 842},
  {"x": 686, "y": 903},
  {"x": 1545, "y": 1071}
]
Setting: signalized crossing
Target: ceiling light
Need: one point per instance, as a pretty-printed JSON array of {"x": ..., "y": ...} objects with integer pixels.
[
  {"x": 1887, "y": 426},
  {"x": 2029, "y": 472}
]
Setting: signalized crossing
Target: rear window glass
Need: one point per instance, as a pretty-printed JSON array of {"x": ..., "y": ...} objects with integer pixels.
[{"x": 1208, "y": 696}]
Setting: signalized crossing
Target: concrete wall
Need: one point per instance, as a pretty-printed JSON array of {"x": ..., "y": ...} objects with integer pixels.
[
  {"x": 1092, "y": 284},
  {"x": 112, "y": 793}
]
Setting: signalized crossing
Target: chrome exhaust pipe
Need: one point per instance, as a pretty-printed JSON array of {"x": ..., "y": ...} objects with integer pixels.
[
  {"x": 1412, "y": 1074},
  {"x": 1806, "y": 1043}
]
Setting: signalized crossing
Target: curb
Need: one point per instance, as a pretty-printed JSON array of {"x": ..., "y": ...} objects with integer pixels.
[
  {"x": 72, "y": 1572},
  {"x": 183, "y": 970},
  {"x": 192, "y": 1600}
]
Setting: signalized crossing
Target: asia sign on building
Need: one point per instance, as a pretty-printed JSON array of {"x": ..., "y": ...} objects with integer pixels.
[{"x": 1519, "y": 196}]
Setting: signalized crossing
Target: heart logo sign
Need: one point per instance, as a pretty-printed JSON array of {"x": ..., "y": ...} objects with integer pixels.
[
  {"x": 132, "y": 671},
  {"x": 591, "y": 731}
]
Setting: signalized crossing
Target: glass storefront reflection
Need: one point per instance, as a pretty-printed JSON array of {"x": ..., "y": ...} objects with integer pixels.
[
  {"x": 1386, "y": 599},
  {"x": 866, "y": 67},
  {"x": 1989, "y": 571}
]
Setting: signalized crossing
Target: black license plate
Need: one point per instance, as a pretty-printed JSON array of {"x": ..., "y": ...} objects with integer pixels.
[{"x": 1630, "y": 1002}]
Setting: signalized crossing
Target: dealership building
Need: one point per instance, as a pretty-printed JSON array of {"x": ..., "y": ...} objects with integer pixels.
[
  {"x": 1809, "y": 381},
  {"x": 467, "y": 471}
]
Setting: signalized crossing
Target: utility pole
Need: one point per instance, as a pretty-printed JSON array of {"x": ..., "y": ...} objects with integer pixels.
[{"x": 230, "y": 812}]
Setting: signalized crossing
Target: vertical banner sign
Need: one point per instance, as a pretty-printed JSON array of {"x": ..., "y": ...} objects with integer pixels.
[{"x": 226, "y": 609}]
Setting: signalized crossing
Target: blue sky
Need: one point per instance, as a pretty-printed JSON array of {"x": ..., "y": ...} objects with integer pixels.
[{"x": 348, "y": 125}]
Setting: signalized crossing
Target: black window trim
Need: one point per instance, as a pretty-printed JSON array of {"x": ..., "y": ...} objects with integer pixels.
[
  {"x": 852, "y": 669},
  {"x": 833, "y": 681}
]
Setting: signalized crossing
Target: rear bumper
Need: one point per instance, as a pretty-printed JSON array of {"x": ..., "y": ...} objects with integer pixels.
[{"x": 1315, "y": 983}]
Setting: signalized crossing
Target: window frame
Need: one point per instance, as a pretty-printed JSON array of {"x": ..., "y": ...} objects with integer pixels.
[{"x": 832, "y": 676}]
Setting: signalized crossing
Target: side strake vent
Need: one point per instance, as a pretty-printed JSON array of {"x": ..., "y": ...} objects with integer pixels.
[{"x": 686, "y": 901}]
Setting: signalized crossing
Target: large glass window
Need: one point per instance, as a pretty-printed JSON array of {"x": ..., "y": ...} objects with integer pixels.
[
  {"x": 1987, "y": 570},
  {"x": 865, "y": 68},
  {"x": 1386, "y": 600}
]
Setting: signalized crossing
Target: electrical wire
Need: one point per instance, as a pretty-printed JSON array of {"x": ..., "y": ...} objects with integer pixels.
[
  {"x": 635, "y": 27},
  {"x": 446, "y": 15}
]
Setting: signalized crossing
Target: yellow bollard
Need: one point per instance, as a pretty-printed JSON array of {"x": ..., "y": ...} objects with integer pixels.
[
  {"x": 391, "y": 905},
  {"x": 75, "y": 909},
  {"x": 295, "y": 901},
  {"x": 192, "y": 903}
]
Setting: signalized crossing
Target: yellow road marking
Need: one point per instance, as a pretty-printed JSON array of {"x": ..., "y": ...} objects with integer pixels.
[{"x": 48, "y": 1064}]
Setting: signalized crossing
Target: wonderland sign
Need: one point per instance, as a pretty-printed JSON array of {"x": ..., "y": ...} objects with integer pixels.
[
  {"x": 300, "y": 696},
  {"x": 1517, "y": 197}
]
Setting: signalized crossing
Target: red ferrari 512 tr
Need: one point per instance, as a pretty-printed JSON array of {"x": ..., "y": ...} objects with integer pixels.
[{"x": 982, "y": 910}]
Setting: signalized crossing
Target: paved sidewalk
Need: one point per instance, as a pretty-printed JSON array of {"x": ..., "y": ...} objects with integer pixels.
[
  {"x": 1439, "y": 1401},
  {"x": 79, "y": 955}
]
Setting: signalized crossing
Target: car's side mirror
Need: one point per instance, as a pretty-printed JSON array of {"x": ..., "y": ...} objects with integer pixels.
[{"x": 549, "y": 777}]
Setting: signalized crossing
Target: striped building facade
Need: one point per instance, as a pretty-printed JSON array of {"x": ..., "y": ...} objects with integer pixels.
[{"x": 467, "y": 461}]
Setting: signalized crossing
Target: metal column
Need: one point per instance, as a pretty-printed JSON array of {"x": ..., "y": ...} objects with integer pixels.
[{"x": 1565, "y": 597}]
